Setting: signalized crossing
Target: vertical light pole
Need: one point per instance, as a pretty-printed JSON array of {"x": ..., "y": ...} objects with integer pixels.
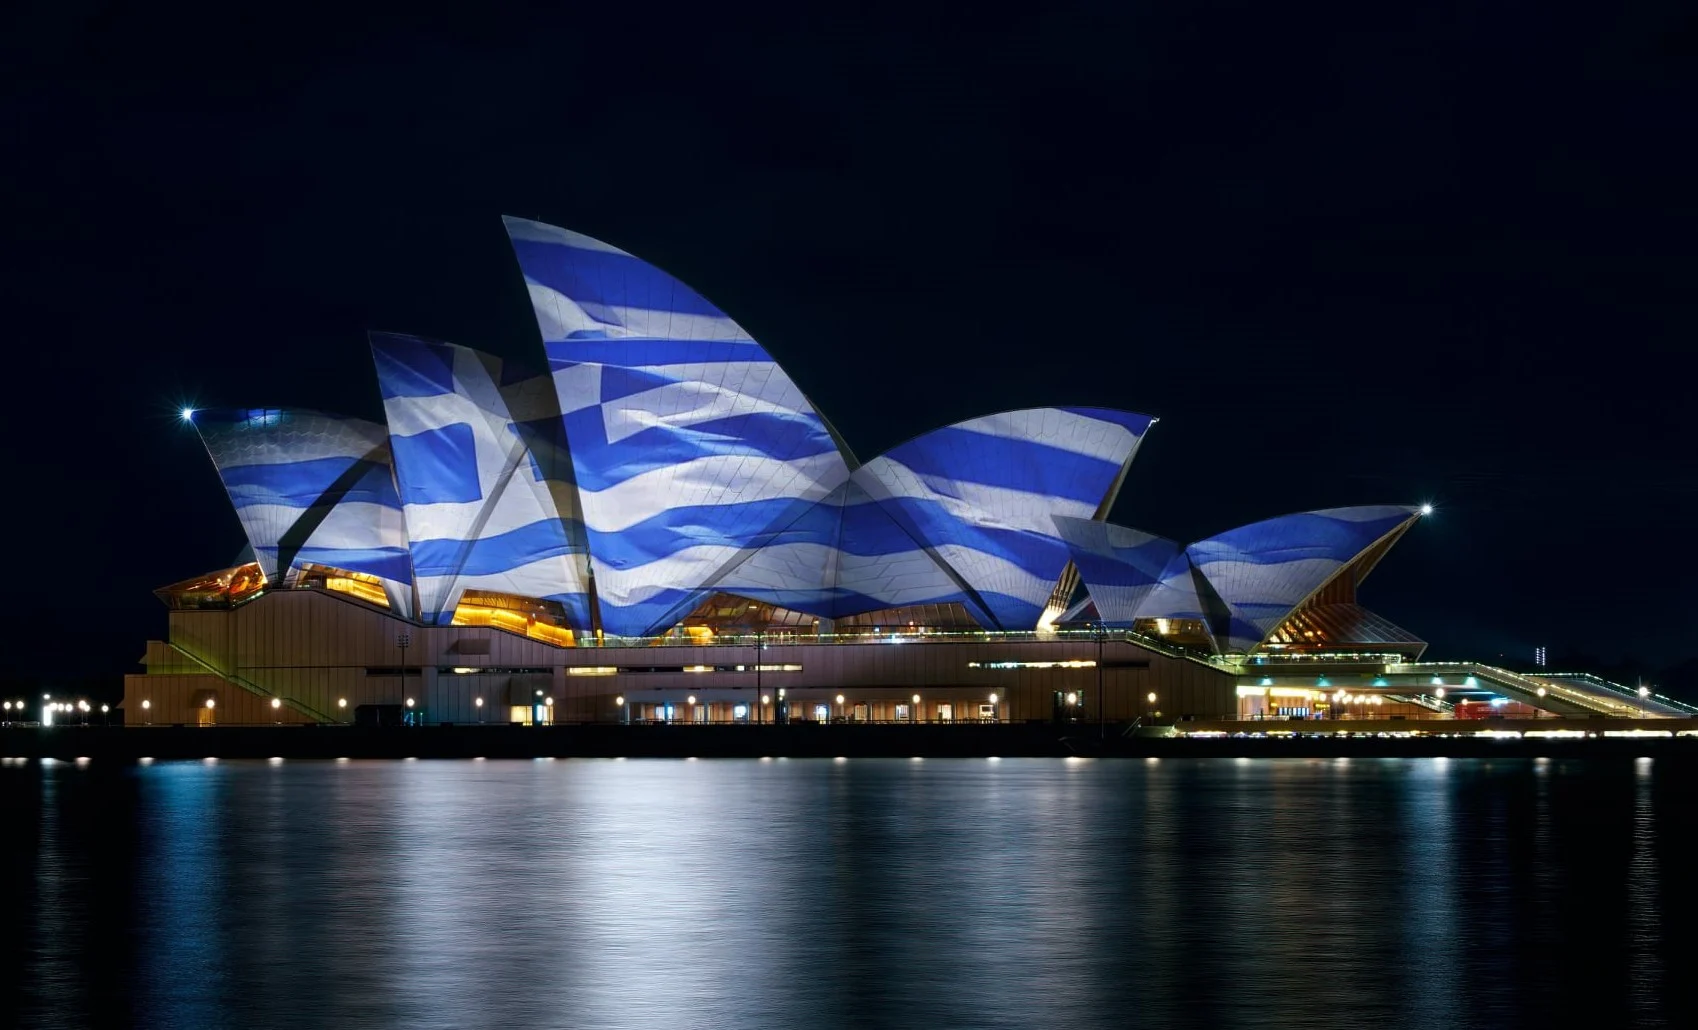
[
  {"x": 1644, "y": 692},
  {"x": 759, "y": 642},
  {"x": 401, "y": 641},
  {"x": 1102, "y": 711},
  {"x": 914, "y": 713}
]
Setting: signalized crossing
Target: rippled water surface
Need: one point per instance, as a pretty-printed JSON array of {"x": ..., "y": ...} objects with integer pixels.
[{"x": 959, "y": 893}]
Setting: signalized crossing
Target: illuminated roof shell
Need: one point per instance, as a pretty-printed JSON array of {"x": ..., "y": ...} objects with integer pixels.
[{"x": 311, "y": 488}]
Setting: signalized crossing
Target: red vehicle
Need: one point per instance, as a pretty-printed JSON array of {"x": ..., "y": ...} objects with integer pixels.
[{"x": 1466, "y": 709}]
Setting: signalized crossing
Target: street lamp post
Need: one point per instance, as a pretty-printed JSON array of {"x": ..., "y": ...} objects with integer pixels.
[
  {"x": 401, "y": 641},
  {"x": 914, "y": 713},
  {"x": 759, "y": 642},
  {"x": 1102, "y": 711}
]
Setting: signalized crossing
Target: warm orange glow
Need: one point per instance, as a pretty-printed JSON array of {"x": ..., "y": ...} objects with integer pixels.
[
  {"x": 473, "y": 613},
  {"x": 216, "y": 590},
  {"x": 358, "y": 584}
]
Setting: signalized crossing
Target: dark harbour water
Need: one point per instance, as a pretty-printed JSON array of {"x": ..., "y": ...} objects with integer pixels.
[{"x": 815, "y": 894}]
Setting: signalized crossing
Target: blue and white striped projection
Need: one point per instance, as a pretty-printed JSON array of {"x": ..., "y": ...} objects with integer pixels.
[
  {"x": 312, "y": 488},
  {"x": 982, "y": 495},
  {"x": 1122, "y": 567},
  {"x": 666, "y": 456},
  {"x": 1264, "y": 570},
  {"x": 483, "y": 478},
  {"x": 701, "y": 466},
  {"x": 959, "y": 514},
  {"x": 691, "y": 447},
  {"x": 1242, "y": 583}
]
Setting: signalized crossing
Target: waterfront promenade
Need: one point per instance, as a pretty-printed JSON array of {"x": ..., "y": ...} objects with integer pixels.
[{"x": 1631, "y": 738}]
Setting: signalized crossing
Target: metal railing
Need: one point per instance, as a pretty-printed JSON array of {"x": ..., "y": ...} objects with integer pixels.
[
  {"x": 1515, "y": 681},
  {"x": 1626, "y": 693},
  {"x": 251, "y": 687}
]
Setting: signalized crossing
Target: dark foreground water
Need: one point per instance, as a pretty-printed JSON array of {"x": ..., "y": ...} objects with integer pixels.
[{"x": 802, "y": 893}]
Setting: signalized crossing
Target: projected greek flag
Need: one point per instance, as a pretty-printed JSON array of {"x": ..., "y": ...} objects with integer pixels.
[
  {"x": 311, "y": 488},
  {"x": 483, "y": 478}
]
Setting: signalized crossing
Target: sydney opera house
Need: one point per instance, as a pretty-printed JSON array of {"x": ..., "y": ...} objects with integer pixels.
[{"x": 658, "y": 526}]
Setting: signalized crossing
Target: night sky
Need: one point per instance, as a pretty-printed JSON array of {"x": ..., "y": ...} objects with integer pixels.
[{"x": 1368, "y": 253}]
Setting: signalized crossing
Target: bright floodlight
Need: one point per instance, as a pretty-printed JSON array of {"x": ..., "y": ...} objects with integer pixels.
[
  {"x": 993, "y": 699},
  {"x": 619, "y": 700},
  {"x": 840, "y": 698},
  {"x": 341, "y": 702},
  {"x": 1426, "y": 509},
  {"x": 478, "y": 702},
  {"x": 1151, "y": 696},
  {"x": 276, "y": 702},
  {"x": 409, "y": 702},
  {"x": 187, "y": 414},
  {"x": 147, "y": 704},
  {"x": 1644, "y": 691},
  {"x": 212, "y": 702}
]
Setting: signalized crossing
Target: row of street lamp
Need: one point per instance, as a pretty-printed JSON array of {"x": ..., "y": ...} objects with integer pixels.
[{"x": 51, "y": 709}]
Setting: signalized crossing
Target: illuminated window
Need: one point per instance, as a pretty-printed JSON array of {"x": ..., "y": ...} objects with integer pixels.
[{"x": 1033, "y": 665}]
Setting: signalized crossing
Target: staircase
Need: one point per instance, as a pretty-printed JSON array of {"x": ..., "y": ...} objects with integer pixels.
[{"x": 252, "y": 687}]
